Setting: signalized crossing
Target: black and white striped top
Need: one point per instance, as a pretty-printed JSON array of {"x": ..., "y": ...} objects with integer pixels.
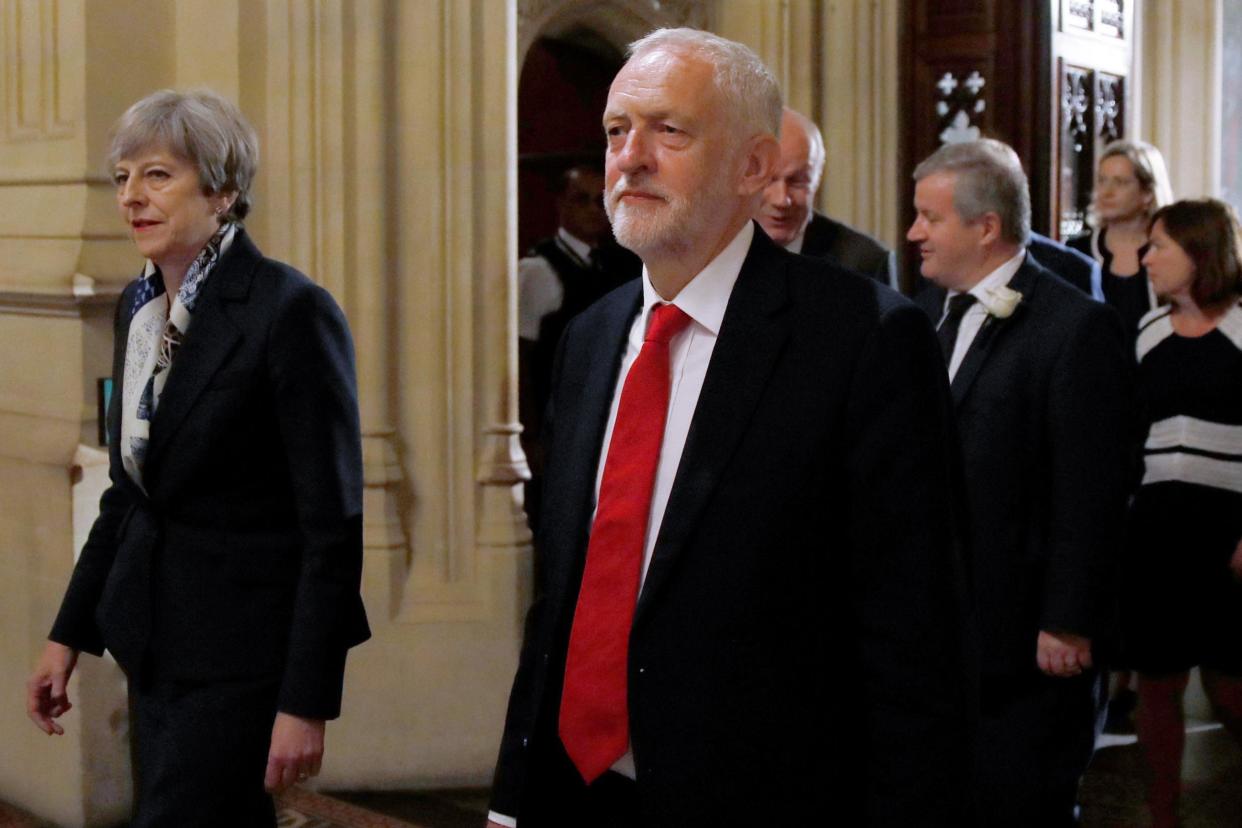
[{"x": 1190, "y": 390}]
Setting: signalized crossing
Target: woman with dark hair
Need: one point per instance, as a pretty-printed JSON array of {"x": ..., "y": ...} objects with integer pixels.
[
  {"x": 1182, "y": 606},
  {"x": 223, "y": 570},
  {"x": 1131, "y": 183}
]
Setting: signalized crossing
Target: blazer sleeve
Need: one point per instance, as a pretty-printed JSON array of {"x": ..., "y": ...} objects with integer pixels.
[
  {"x": 886, "y": 273},
  {"x": 1088, "y": 415},
  {"x": 311, "y": 363},
  {"x": 75, "y": 624},
  {"x": 907, "y": 577},
  {"x": 509, "y": 779}
]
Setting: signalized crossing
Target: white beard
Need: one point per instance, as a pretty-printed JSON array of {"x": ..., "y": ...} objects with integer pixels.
[{"x": 664, "y": 227}]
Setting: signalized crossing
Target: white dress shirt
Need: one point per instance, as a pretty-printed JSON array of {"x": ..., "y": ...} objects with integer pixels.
[
  {"x": 977, "y": 314},
  {"x": 539, "y": 288},
  {"x": 704, "y": 300},
  {"x": 795, "y": 244}
]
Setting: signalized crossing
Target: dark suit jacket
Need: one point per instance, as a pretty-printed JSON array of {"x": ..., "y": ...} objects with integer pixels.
[
  {"x": 244, "y": 559},
  {"x": 842, "y": 244},
  {"x": 797, "y": 642},
  {"x": 1070, "y": 264},
  {"x": 1042, "y": 401}
]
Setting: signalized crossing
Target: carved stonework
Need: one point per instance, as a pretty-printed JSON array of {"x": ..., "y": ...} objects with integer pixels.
[
  {"x": 1075, "y": 104},
  {"x": 618, "y": 21},
  {"x": 1109, "y": 107},
  {"x": 959, "y": 105},
  {"x": 1078, "y": 14},
  {"x": 1112, "y": 18},
  {"x": 30, "y": 71},
  {"x": 1077, "y": 160}
]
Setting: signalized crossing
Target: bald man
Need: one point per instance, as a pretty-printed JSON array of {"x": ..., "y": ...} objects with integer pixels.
[{"x": 788, "y": 218}]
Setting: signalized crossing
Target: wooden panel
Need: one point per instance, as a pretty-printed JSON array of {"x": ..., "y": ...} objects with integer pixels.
[
  {"x": 1075, "y": 156},
  {"x": 1093, "y": 56},
  {"x": 1077, "y": 15},
  {"x": 982, "y": 66},
  {"x": 945, "y": 17}
]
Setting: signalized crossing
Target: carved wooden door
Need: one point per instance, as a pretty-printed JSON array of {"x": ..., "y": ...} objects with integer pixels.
[{"x": 1048, "y": 77}]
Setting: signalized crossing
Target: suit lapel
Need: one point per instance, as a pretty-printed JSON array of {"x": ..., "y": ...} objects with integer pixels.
[
  {"x": 993, "y": 329},
  {"x": 586, "y": 422},
  {"x": 211, "y": 338},
  {"x": 751, "y": 338}
]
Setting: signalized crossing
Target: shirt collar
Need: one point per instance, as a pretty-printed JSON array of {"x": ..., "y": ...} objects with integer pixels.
[
  {"x": 997, "y": 278},
  {"x": 577, "y": 245},
  {"x": 795, "y": 246},
  {"x": 706, "y": 296}
]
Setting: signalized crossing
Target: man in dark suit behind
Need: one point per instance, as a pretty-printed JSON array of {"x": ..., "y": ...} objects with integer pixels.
[
  {"x": 749, "y": 612},
  {"x": 786, "y": 215},
  {"x": 1072, "y": 265},
  {"x": 561, "y": 277},
  {"x": 1038, "y": 378}
]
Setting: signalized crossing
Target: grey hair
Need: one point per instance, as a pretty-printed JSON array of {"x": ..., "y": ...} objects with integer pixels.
[
  {"x": 989, "y": 180},
  {"x": 750, "y": 91},
  {"x": 815, "y": 141},
  {"x": 201, "y": 127}
]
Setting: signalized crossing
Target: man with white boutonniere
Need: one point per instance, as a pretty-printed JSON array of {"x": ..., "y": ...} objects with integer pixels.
[{"x": 1039, "y": 380}]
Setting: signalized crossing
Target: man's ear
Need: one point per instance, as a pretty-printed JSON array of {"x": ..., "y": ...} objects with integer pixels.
[
  {"x": 990, "y": 223},
  {"x": 761, "y": 157}
]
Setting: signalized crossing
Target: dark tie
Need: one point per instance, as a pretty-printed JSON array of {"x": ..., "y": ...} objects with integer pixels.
[
  {"x": 947, "y": 331},
  {"x": 594, "y": 717}
]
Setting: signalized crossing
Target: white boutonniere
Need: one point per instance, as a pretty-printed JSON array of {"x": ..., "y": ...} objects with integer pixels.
[{"x": 1001, "y": 302}]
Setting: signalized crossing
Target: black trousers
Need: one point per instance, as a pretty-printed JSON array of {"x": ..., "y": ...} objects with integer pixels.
[
  {"x": 1036, "y": 736},
  {"x": 558, "y": 798},
  {"x": 200, "y": 752}
]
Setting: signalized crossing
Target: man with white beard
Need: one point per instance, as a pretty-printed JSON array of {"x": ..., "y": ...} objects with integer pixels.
[{"x": 749, "y": 605}]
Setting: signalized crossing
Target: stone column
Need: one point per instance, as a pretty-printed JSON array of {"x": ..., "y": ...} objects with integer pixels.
[
  {"x": 1178, "y": 76},
  {"x": 856, "y": 97},
  {"x": 836, "y": 61},
  {"x": 64, "y": 255}
]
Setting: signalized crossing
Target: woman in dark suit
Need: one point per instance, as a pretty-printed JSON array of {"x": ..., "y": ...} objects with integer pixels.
[
  {"x": 1131, "y": 183},
  {"x": 223, "y": 570}
]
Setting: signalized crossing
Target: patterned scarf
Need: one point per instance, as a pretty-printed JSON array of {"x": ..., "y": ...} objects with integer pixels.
[{"x": 156, "y": 331}]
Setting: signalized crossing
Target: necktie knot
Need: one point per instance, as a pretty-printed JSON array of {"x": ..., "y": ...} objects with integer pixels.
[
  {"x": 958, "y": 305},
  {"x": 666, "y": 322},
  {"x": 947, "y": 333}
]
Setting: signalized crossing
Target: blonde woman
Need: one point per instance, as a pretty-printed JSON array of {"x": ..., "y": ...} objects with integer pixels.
[{"x": 1131, "y": 183}]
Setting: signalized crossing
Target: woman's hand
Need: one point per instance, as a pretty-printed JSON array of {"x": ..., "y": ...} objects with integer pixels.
[
  {"x": 296, "y": 752},
  {"x": 47, "y": 690},
  {"x": 1235, "y": 563}
]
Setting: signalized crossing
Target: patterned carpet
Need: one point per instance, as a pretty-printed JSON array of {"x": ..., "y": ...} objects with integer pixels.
[
  {"x": 1112, "y": 795},
  {"x": 296, "y": 808}
]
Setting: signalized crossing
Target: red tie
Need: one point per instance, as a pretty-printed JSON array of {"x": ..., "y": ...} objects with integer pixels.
[{"x": 594, "y": 721}]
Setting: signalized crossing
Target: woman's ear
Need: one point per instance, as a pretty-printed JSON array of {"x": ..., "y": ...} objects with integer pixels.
[{"x": 224, "y": 203}]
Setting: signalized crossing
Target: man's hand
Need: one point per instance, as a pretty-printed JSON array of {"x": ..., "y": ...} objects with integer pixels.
[
  {"x": 1062, "y": 654},
  {"x": 47, "y": 693},
  {"x": 1235, "y": 563},
  {"x": 296, "y": 753}
]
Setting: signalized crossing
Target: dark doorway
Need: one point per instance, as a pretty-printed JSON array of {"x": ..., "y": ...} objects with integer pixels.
[{"x": 561, "y": 97}]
